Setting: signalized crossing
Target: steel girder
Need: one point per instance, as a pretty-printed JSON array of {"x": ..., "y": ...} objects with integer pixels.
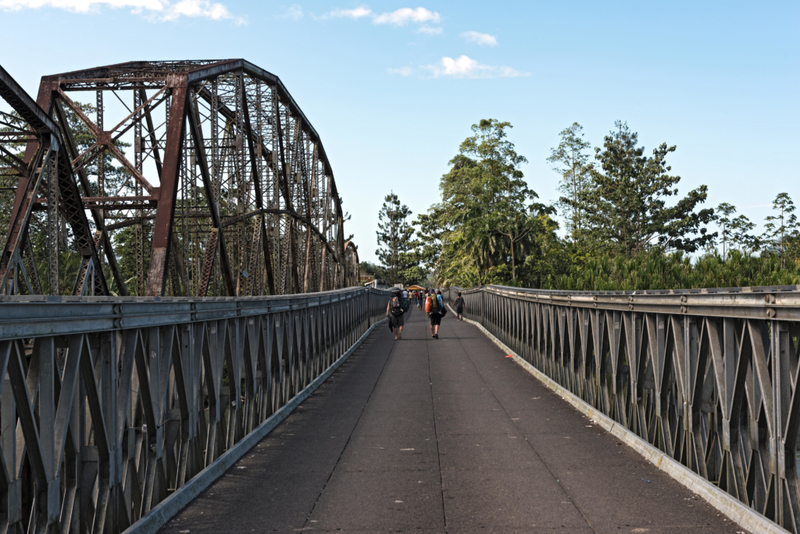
[
  {"x": 229, "y": 190},
  {"x": 709, "y": 377}
]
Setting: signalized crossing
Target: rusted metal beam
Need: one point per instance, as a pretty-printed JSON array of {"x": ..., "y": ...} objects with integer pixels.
[
  {"x": 97, "y": 216},
  {"x": 162, "y": 231},
  {"x": 256, "y": 176},
  {"x": 104, "y": 142},
  {"x": 202, "y": 162},
  {"x": 151, "y": 131},
  {"x": 23, "y": 104}
]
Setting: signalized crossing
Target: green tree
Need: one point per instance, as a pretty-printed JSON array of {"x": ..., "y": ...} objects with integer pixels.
[
  {"x": 394, "y": 238},
  {"x": 740, "y": 235},
  {"x": 371, "y": 269},
  {"x": 571, "y": 161},
  {"x": 782, "y": 227},
  {"x": 626, "y": 208},
  {"x": 723, "y": 217},
  {"x": 429, "y": 239},
  {"x": 487, "y": 203}
]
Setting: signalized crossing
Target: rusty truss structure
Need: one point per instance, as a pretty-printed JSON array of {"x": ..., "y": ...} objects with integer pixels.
[
  {"x": 175, "y": 178},
  {"x": 709, "y": 377}
]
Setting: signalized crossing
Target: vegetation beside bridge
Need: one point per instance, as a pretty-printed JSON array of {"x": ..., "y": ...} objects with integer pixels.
[{"x": 622, "y": 230}]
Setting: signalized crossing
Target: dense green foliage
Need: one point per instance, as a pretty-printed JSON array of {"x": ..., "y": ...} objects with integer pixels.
[
  {"x": 653, "y": 269},
  {"x": 489, "y": 221},
  {"x": 627, "y": 226}
]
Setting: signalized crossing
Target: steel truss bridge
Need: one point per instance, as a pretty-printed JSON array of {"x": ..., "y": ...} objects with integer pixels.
[
  {"x": 167, "y": 361},
  {"x": 175, "y": 178}
]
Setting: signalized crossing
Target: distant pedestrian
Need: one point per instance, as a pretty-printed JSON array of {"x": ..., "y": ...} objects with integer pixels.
[
  {"x": 433, "y": 307},
  {"x": 395, "y": 311},
  {"x": 458, "y": 304}
]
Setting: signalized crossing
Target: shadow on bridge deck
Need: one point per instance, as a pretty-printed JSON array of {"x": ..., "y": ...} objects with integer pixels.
[{"x": 442, "y": 436}]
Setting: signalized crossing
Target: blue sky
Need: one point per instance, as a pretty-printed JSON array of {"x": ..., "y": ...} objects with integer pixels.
[{"x": 393, "y": 87}]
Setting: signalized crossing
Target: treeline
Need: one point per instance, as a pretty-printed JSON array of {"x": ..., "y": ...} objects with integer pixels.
[{"x": 627, "y": 225}]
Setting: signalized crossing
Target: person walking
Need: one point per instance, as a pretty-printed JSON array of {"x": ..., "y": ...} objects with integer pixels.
[
  {"x": 395, "y": 311},
  {"x": 458, "y": 305},
  {"x": 433, "y": 307}
]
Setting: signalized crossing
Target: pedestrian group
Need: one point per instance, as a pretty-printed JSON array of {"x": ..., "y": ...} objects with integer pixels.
[{"x": 400, "y": 303}]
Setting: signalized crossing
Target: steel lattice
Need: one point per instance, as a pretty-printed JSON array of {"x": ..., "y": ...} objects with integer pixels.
[
  {"x": 228, "y": 191},
  {"x": 709, "y": 377},
  {"x": 118, "y": 404}
]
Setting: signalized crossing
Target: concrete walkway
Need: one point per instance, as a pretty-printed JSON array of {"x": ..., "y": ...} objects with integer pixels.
[{"x": 444, "y": 436}]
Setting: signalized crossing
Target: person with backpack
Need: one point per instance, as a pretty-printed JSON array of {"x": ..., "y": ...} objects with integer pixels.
[
  {"x": 433, "y": 307},
  {"x": 458, "y": 305},
  {"x": 395, "y": 311}
]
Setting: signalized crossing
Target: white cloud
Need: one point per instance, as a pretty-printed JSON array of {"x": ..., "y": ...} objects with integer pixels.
[
  {"x": 483, "y": 39},
  {"x": 158, "y": 9},
  {"x": 465, "y": 67},
  {"x": 80, "y": 6},
  {"x": 294, "y": 12},
  {"x": 402, "y": 71},
  {"x": 197, "y": 8},
  {"x": 357, "y": 13},
  {"x": 405, "y": 15},
  {"x": 399, "y": 17},
  {"x": 428, "y": 30}
]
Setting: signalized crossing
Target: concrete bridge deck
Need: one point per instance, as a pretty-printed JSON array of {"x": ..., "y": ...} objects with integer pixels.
[{"x": 442, "y": 436}]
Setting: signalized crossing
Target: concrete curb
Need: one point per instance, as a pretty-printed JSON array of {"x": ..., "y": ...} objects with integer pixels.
[
  {"x": 173, "y": 504},
  {"x": 738, "y": 512}
]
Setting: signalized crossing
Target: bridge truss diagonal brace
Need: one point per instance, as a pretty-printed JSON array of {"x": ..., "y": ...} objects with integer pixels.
[
  {"x": 162, "y": 229},
  {"x": 208, "y": 186}
]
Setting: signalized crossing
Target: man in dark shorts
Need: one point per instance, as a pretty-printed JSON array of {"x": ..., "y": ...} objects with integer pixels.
[
  {"x": 433, "y": 307},
  {"x": 458, "y": 304}
]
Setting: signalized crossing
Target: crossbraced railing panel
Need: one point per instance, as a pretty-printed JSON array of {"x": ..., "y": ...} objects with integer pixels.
[
  {"x": 710, "y": 378},
  {"x": 115, "y": 406}
]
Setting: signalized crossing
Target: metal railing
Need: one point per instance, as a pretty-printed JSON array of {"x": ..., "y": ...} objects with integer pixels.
[
  {"x": 110, "y": 405},
  {"x": 709, "y": 377}
]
